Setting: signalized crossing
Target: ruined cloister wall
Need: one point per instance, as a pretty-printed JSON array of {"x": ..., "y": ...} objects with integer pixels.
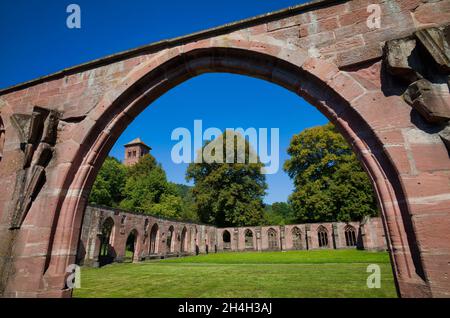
[
  {"x": 201, "y": 239},
  {"x": 56, "y": 131}
]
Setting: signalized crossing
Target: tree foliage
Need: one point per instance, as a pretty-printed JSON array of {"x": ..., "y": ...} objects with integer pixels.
[
  {"x": 108, "y": 186},
  {"x": 330, "y": 184},
  {"x": 279, "y": 213},
  {"x": 142, "y": 187},
  {"x": 228, "y": 194},
  {"x": 185, "y": 192},
  {"x": 148, "y": 191}
]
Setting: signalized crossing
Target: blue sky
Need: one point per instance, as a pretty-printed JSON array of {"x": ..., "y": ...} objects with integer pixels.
[{"x": 37, "y": 42}]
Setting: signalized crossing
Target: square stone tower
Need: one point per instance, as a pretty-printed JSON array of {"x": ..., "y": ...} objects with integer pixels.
[{"x": 134, "y": 150}]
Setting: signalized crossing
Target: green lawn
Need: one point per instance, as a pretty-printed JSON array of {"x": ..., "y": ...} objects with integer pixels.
[{"x": 326, "y": 273}]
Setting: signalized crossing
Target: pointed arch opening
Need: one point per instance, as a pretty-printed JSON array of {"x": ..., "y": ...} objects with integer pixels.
[
  {"x": 107, "y": 254},
  {"x": 296, "y": 238},
  {"x": 170, "y": 242},
  {"x": 183, "y": 240},
  {"x": 322, "y": 236},
  {"x": 272, "y": 237},
  {"x": 226, "y": 239},
  {"x": 154, "y": 240},
  {"x": 131, "y": 246},
  {"x": 118, "y": 114},
  {"x": 350, "y": 236},
  {"x": 249, "y": 244}
]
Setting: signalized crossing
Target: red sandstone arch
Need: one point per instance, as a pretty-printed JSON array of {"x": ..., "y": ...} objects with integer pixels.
[
  {"x": 106, "y": 253},
  {"x": 154, "y": 239},
  {"x": 352, "y": 99},
  {"x": 183, "y": 240},
  {"x": 147, "y": 83},
  {"x": 136, "y": 244}
]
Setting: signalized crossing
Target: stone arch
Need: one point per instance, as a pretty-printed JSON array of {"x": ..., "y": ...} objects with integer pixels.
[
  {"x": 319, "y": 82},
  {"x": 107, "y": 254},
  {"x": 296, "y": 235},
  {"x": 131, "y": 245},
  {"x": 248, "y": 237},
  {"x": 322, "y": 237},
  {"x": 183, "y": 240},
  {"x": 350, "y": 235},
  {"x": 196, "y": 240},
  {"x": 226, "y": 240},
  {"x": 154, "y": 240},
  {"x": 272, "y": 239},
  {"x": 170, "y": 239}
]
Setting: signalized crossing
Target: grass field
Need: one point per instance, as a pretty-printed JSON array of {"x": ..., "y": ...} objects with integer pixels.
[{"x": 302, "y": 274}]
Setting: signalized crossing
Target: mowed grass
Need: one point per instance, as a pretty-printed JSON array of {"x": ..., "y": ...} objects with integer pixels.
[{"x": 299, "y": 274}]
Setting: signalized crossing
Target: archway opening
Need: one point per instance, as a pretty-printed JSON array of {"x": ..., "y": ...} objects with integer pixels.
[
  {"x": 154, "y": 240},
  {"x": 183, "y": 241},
  {"x": 296, "y": 238},
  {"x": 107, "y": 253},
  {"x": 348, "y": 135},
  {"x": 170, "y": 242},
  {"x": 272, "y": 236},
  {"x": 130, "y": 246},
  {"x": 322, "y": 237},
  {"x": 226, "y": 239},
  {"x": 249, "y": 240},
  {"x": 350, "y": 236}
]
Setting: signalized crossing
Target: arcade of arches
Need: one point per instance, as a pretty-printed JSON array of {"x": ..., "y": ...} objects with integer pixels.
[
  {"x": 108, "y": 233},
  {"x": 386, "y": 89}
]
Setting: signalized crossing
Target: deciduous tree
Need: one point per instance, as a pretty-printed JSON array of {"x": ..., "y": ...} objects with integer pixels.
[
  {"x": 330, "y": 184},
  {"x": 228, "y": 194}
]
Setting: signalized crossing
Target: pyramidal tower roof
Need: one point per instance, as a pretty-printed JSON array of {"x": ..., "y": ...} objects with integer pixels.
[{"x": 137, "y": 141}]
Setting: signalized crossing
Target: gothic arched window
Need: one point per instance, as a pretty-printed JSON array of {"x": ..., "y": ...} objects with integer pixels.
[
  {"x": 350, "y": 235},
  {"x": 154, "y": 239},
  {"x": 226, "y": 237},
  {"x": 296, "y": 238},
  {"x": 170, "y": 239},
  {"x": 248, "y": 239},
  {"x": 273, "y": 239},
  {"x": 322, "y": 235}
]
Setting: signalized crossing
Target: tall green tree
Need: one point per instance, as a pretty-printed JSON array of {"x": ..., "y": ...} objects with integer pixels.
[
  {"x": 279, "y": 213},
  {"x": 109, "y": 184},
  {"x": 148, "y": 191},
  {"x": 228, "y": 194},
  {"x": 330, "y": 184},
  {"x": 185, "y": 192}
]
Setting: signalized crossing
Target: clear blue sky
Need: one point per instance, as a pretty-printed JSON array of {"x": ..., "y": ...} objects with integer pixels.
[{"x": 36, "y": 42}]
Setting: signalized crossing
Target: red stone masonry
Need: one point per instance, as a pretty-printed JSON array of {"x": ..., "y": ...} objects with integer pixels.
[
  {"x": 200, "y": 238},
  {"x": 56, "y": 131}
]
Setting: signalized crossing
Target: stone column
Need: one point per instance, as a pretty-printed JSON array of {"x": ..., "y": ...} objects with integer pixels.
[
  {"x": 258, "y": 239},
  {"x": 282, "y": 238},
  {"x": 308, "y": 237},
  {"x": 335, "y": 234}
]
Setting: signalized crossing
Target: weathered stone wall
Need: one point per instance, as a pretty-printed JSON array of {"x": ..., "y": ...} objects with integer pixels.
[
  {"x": 202, "y": 239},
  {"x": 56, "y": 131}
]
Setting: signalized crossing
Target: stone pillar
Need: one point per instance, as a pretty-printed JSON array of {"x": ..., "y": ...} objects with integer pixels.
[
  {"x": 96, "y": 250},
  {"x": 308, "y": 237},
  {"x": 282, "y": 238},
  {"x": 335, "y": 234},
  {"x": 258, "y": 239},
  {"x": 235, "y": 239}
]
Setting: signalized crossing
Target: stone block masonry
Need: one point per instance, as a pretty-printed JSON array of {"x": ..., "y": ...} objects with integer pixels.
[
  {"x": 390, "y": 105},
  {"x": 157, "y": 237}
]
